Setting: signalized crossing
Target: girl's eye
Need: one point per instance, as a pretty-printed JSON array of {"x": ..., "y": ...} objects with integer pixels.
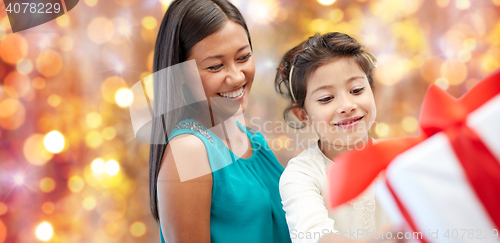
[
  {"x": 326, "y": 99},
  {"x": 215, "y": 68},
  {"x": 357, "y": 91},
  {"x": 244, "y": 57}
]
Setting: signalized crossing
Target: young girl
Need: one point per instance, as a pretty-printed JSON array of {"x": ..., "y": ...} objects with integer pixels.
[
  {"x": 329, "y": 82},
  {"x": 237, "y": 200}
]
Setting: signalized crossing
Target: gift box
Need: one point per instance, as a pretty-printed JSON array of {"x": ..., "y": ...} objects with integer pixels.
[{"x": 444, "y": 183}]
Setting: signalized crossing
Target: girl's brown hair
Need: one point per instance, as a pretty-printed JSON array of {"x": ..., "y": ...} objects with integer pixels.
[{"x": 307, "y": 56}]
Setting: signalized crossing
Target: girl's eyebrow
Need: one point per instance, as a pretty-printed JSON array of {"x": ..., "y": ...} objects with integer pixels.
[
  {"x": 219, "y": 56},
  {"x": 330, "y": 86}
]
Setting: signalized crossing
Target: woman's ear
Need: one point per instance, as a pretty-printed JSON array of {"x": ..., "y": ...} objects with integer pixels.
[{"x": 301, "y": 114}]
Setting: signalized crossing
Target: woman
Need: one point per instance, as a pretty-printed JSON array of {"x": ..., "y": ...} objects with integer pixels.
[{"x": 238, "y": 199}]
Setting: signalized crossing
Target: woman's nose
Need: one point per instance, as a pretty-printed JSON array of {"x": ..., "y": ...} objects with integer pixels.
[
  {"x": 346, "y": 104},
  {"x": 235, "y": 75}
]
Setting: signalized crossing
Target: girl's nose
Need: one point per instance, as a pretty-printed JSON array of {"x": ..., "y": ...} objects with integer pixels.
[{"x": 346, "y": 105}]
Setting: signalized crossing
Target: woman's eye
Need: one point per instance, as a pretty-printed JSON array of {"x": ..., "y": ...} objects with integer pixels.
[
  {"x": 215, "y": 68},
  {"x": 326, "y": 99},
  {"x": 244, "y": 57},
  {"x": 357, "y": 91}
]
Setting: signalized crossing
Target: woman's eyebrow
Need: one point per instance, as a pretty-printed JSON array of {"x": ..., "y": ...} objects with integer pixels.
[{"x": 219, "y": 56}]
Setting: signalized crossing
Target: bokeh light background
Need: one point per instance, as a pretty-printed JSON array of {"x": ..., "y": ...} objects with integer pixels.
[{"x": 70, "y": 167}]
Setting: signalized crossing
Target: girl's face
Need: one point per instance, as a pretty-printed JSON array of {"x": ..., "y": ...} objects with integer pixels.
[
  {"x": 339, "y": 103},
  {"x": 225, "y": 63}
]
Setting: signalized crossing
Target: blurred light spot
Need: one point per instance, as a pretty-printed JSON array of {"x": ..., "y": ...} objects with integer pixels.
[
  {"x": 91, "y": 3},
  {"x": 94, "y": 119},
  {"x": 93, "y": 139},
  {"x": 24, "y": 66},
  {"x": 431, "y": 69},
  {"x": 125, "y": 3},
  {"x": 464, "y": 56},
  {"x": 110, "y": 86},
  {"x": 47, "y": 184},
  {"x": 13, "y": 48},
  {"x": 442, "y": 83},
  {"x": 48, "y": 207},
  {"x": 382, "y": 129},
  {"x": 19, "y": 179},
  {"x": 471, "y": 83},
  {"x": 443, "y": 3},
  {"x": 54, "y": 142},
  {"x": 2, "y": 35},
  {"x": 113, "y": 229},
  {"x": 44, "y": 231},
  {"x": 285, "y": 140},
  {"x": 16, "y": 84},
  {"x": 469, "y": 44},
  {"x": 66, "y": 43},
  {"x": 38, "y": 83},
  {"x": 14, "y": 116},
  {"x": 260, "y": 11},
  {"x": 150, "y": 60},
  {"x": 3, "y": 232},
  {"x": 54, "y": 100},
  {"x": 496, "y": 2},
  {"x": 454, "y": 71},
  {"x": 149, "y": 22},
  {"x": 75, "y": 184},
  {"x": 34, "y": 150},
  {"x": 108, "y": 133},
  {"x": 489, "y": 63},
  {"x": 410, "y": 124},
  {"x": 392, "y": 69},
  {"x": 100, "y": 30},
  {"x": 336, "y": 15},
  {"x": 89, "y": 203},
  {"x": 167, "y": 3},
  {"x": 124, "y": 97},
  {"x": 326, "y": 2},
  {"x": 3, "y": 208},
  {"x": 8, "y": 107},
  {"x": 49, "y": 63},
  {"x": 63, "y": 20},
  {"x": 119, "y": 67},
  {"x": 137, "y": 229},
  {"x": 462, "y": 4},
  {"x": 124, "y": 28},
  {"x": 97, "y": 166},
  {"x": 44, "y": 42},
  {"x": 112, "y": 167}
]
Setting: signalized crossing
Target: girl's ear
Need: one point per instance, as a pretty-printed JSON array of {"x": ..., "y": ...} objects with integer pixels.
[{"x": 301, "y": 114}]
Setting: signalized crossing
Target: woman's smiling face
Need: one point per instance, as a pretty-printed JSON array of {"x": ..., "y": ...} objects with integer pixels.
[
  {"x": 225, "y": 63},
  {"x": 339, "y": 102}
]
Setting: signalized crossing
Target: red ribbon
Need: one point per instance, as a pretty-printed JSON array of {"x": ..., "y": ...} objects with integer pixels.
[{"x": 440, "y": 113}]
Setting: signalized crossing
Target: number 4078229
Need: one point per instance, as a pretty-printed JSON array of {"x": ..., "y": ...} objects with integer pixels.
[{"x": 33, "y": 8}]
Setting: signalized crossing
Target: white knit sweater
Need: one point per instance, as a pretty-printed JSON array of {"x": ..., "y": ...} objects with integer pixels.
[{"x": 303, "y": 187}]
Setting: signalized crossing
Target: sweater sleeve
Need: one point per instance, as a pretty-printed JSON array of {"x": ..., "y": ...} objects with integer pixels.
[{"x": 300, "y": 187}]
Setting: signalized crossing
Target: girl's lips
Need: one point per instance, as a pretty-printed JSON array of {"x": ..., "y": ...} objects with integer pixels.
[{"x": 349, "y": 123}]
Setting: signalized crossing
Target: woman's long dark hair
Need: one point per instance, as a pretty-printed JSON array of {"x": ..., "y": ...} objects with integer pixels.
[{"x": 185, "y": 23}]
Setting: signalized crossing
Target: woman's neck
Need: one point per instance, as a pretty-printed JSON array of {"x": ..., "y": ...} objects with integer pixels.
[{"x": 333, "y": 150}]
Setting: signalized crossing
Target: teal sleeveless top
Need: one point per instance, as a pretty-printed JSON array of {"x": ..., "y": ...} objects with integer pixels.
[{"x": 246, "y": 204}]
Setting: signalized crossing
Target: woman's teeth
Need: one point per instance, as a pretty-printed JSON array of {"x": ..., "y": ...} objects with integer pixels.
[{"x": 233, "y": 94}]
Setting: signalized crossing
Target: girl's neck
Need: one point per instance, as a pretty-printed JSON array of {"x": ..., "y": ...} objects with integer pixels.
[{"x": 332, "y": 150}]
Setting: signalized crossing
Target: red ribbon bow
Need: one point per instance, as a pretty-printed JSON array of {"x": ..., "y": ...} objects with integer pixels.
[{"x": 440, "y": 113}]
